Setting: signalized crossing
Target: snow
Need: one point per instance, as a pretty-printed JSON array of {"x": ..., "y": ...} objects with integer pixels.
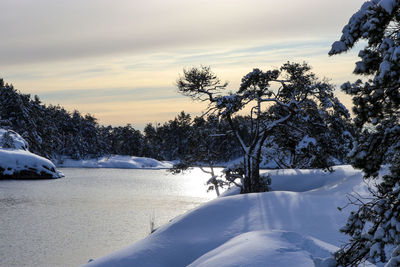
[
  {"x": 384, "y": 68},
  {"x": 396, "y": 53},
  {"x": 116, "y": 161},
  {"x": 302, "y": 180},
  {"x": 14, "y": 161},
  {"x": 305, "y": 142},
  {"x": 379, "y": 234},
  {"x": 370, "y": 25},
  {"x": 387, "y": 5},
  {"x": 395, "y": 259},
  {"x": 19, "y": 142},
  {"x": 267, "y": 248},
  {"x": 351, "y": 30},
  {"x": 338, "y": 47},
  {"x": 296, "y": 226}
]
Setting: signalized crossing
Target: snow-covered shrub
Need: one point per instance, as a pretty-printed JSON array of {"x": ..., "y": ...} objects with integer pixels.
[
  {"x": 7, "y": 141},
  {"x": 11, "y": 139}
]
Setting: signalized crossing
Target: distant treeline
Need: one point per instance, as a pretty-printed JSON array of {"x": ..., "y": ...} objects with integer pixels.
[{"x": 53, "y": 132}]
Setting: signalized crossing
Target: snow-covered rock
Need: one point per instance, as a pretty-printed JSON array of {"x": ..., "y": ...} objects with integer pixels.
[
  {"x": 277, "y": 228},
  {"x": 21, "y": 164},
  {"x": 116, "y": 161},
  {"x": 16, "y": 162}
]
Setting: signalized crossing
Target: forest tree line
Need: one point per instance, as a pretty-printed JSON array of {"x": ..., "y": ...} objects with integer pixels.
[{"x": 54, "y": 132}]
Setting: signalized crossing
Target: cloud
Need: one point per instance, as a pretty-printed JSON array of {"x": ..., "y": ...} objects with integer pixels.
[
  {"x": 138, "y": 113},
  {"x": 110, "y": 95},
  {"x": 46, "y": 30},
  {"x": 120, "y": 59},
  {"x": 139, "y": 89}
]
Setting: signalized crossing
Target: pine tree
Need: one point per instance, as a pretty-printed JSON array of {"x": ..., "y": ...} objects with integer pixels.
[
  {"x": 296, "y": 86},
  {"x": 151, "y": 142},
  {"x": 318, "y": 136},
  {"x": 375, "y": 228}
]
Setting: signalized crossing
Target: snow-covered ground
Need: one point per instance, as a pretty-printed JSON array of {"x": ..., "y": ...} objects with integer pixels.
[
  {"x": 116, "y": 161},
  {"x": 295, "y": 225},
  {"x": 18, "y": 162}
]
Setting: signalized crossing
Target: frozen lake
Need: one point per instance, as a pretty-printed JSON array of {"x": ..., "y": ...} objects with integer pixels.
[{"x": 89, "y": 213}]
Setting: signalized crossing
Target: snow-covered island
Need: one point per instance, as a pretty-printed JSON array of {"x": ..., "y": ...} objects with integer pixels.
[
  {"x": 115, "y": 161},
  {"x": 295, "y": 224},
  {"x": 16, "y": 162}
]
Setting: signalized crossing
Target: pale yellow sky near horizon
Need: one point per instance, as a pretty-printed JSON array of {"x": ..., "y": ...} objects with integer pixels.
[{"x": 119, "y": 60}]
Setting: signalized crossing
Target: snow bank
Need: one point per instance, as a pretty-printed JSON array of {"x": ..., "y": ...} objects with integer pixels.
[
  {"x": 116, "y": 161},
  {"x": 301, "y": 180},
  {"x": 17, "y": 163},
  {"x": 278, "y": 228}
]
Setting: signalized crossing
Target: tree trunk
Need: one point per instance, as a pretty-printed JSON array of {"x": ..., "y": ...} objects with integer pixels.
[
  {"x": 247, "y": 174},
  {"x": 252, "y": 181}
]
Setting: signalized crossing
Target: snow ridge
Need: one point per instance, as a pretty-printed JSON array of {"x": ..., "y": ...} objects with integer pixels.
[{"x": 277, "y": 228}]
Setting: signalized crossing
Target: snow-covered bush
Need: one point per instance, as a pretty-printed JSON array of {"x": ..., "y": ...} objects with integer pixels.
[{"x": 11, "y": 139}]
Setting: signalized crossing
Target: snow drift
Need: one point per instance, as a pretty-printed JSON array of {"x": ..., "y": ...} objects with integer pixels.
[
  {"x": 269, "y": 248},
  {"x": 277, "y": 228}
]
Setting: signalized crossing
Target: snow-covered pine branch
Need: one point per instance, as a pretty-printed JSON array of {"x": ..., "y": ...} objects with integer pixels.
[{"x": 374, "y": 229}]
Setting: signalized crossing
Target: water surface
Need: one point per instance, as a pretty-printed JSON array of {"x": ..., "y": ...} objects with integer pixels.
[{"x": 89, "y": 213}]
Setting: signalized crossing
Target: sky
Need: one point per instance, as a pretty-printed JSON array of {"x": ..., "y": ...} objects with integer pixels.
[{"x": 119, "y": 60}]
